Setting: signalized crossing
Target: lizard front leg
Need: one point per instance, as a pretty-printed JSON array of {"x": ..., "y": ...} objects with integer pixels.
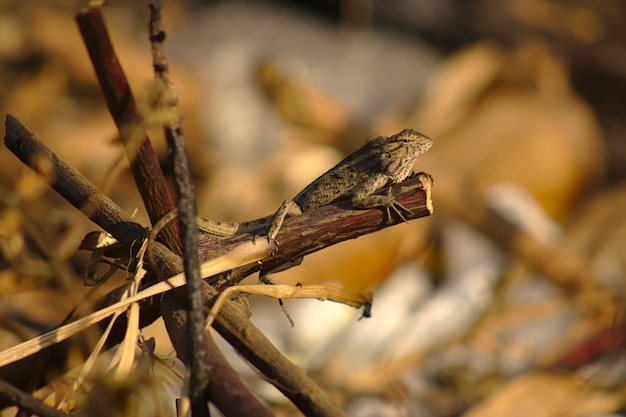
[
  {"x": 363, "y": 197},
  {"x": 288, "y": 208}
]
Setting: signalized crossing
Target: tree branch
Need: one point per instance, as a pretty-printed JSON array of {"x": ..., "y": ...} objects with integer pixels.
[{"x": 145, "y": 166}]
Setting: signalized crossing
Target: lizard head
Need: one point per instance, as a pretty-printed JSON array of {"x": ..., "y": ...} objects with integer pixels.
[{"x": 399, "y": 152}]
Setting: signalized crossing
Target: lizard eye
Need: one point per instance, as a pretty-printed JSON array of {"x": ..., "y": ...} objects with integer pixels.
[{"x": 387, "y": 155}]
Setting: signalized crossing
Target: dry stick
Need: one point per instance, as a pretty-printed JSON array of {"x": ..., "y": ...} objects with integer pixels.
[
  {"x": 27, "y": 401},
  {"x": 121, "y": 103},
  {"x": 355, "y": 299},
  {"x": 196, "y": 343}
]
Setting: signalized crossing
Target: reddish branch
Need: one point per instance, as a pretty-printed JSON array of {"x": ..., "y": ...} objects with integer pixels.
[{"x": 121, "y": 103}]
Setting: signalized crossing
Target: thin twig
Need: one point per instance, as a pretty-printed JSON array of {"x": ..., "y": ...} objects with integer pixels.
[
  {"x": 199, "y": 367},
  {"x": 354, "y": 299}
]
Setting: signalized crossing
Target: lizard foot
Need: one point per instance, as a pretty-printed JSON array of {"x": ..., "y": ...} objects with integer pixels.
[{"x": 397, "y": 209}]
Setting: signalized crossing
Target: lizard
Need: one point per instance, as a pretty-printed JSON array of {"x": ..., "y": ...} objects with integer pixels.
[{"x": 381, "y": 161}]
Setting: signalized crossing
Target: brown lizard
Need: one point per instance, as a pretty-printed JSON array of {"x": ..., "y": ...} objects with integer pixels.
[{"x": 381, "y": 161}]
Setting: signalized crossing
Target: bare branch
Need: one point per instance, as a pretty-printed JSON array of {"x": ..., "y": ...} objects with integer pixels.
[
  {"x": 121, "y": 103},
  {"x": 27, "y": 402},
  {"x": 194, "y": 347}
]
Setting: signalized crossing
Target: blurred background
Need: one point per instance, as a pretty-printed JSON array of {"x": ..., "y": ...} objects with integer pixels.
[{"x": 506, "y": 301}]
